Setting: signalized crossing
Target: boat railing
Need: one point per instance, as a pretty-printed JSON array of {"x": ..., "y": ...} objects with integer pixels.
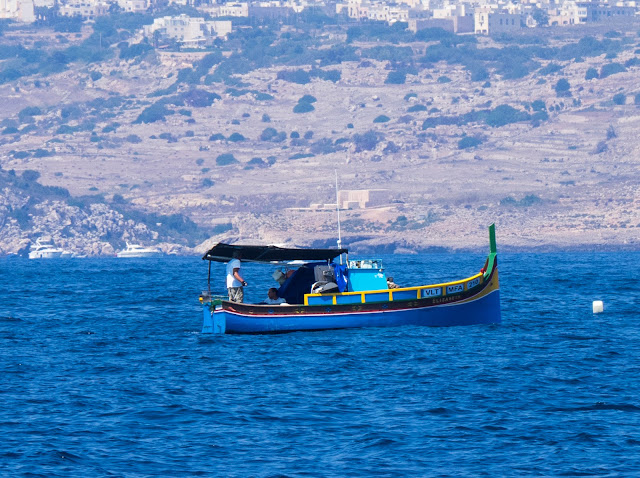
[{"x": 402, "y": 293}]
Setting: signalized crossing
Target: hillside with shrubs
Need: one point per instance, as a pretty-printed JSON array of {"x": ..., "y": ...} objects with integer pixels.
[{"x": 243, "y": 140}]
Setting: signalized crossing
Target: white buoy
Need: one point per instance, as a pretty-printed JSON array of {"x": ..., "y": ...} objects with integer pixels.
[{"x": 598, "y": 306}]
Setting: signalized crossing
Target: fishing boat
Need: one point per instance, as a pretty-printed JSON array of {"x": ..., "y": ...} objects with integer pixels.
[
  {"x": 135, "y": 250},
  {"x": 324, "y": 294}
]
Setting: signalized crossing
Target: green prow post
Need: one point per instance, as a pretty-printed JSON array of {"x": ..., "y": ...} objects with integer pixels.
[{"x": 493, "y": 251}]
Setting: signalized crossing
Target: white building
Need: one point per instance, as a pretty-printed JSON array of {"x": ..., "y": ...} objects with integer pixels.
[
  {"x": 18, "y": 10},
  {"x": 84, "y": 9},
  {"x": 489, "y": 21},
  {"x": 378, "y": 11},
  {"x": 234, "y": 10},
  {"x": 133, "y": 6},
  {"x": 190, "y": 31}
]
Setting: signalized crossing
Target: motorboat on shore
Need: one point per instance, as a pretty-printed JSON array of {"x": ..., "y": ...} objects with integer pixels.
[
  {"x": 45, "y": 250},
  {"x": 322, "y": 294},
  {"x": 136, "y": 250}
]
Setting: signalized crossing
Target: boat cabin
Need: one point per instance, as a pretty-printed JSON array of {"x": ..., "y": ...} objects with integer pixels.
[
  {"x": 313, "y": 277},
  {"x": 309, "y": 276}
]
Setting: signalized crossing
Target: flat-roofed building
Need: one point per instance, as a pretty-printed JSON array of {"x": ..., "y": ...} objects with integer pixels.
[
  {"x": 363, "y": 198},
  {"x": 489, "y": 21},
  {"x": 85, "y": 9}
]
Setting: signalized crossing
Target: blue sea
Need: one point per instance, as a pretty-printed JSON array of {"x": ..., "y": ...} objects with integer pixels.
[{"x": 104, "y": 373}]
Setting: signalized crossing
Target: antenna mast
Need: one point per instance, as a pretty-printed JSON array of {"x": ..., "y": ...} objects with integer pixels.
[{"x": 338, "y": 210}]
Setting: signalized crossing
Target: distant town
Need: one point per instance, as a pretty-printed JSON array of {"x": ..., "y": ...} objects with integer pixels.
[{"x": 207, "y": 22}]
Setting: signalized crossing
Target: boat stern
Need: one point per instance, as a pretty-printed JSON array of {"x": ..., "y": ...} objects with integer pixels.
[{"x": 212, "y": 322}]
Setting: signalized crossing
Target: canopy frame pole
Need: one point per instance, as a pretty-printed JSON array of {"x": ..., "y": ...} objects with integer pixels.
[{"x": 209, "y": 279}]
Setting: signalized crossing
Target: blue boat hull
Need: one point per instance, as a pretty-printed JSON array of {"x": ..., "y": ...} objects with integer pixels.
[{"x": 484, "y": 310}]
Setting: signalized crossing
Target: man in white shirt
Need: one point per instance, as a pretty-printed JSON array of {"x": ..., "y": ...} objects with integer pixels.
[
  {"x": 273, "y": 298},
  {"x": 235, "y": 282}
]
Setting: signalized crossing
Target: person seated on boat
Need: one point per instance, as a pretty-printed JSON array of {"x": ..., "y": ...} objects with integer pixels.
[
  {"x": 235, "y": 282},
  {"x": 391, "y": 284},
  {"x": 273, "y": 298}
]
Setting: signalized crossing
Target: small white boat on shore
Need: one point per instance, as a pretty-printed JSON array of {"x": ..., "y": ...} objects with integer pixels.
[
  {"x": 136, "y": 250},
  {"x": 45, "y": 250}
]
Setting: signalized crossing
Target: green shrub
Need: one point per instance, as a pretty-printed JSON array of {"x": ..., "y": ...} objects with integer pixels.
[
  {"x": 42, "y": 153},
  {"x": 538, "y": 105},
  {"x": 388, "y": 53},
  {"x": 307, "y": 99},
  {"x": 367, "y": 141},
  {"x": 591, "y": 74},
  {"x": 266, "y": 118},
  {"x": 469, "y": 142},
  {"x": 30, "y": 175},
  {"x": 301, "y": 156},
  {"x": 381, "y": 119},
  {"x": 505, "y": 114},
  {"x": 416, "y": 108},
  {"x": 169, "y": 137},
  {"x": 65, "y": 129},
  {"x": 26, "y": 114},
  {"x": 257, "y": 162},
  {"x": 619, "y": 99},
  {"x": 235, "y": 137},
  {"x": 303, "y": 108},
  {"x": 528, "y": 200},
  {"x": 217, "y": 137},
  {"x": 225, "y": 159},
  {"x": 263, "y": 97},
  {"x": 300, "y": 77},
  {"x": 95, "y": 75},
  {"x": 444, "y": 79},
  {"x": 611, "y": 69},
  {"x": 133, "y": 138},
  {"x": 550, "y": 69},
  {"x": 479, "y": 73},
  {"x": 153, "y": 113},
  {"x": 199, "y": 98},
  {"x": 396, "y": 77},
  {"x": 268, "y": 133},
  {"x": 329, "y": 75},
  {"x": 562, "y": 88},
  {"x": 235, "y": 93},
  {"x": 128, "y": 52}
]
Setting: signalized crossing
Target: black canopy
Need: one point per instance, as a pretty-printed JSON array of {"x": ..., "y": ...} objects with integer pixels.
[{"x": 224, "y": 252}]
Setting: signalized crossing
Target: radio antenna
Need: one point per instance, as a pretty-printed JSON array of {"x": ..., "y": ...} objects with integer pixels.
[{"x": 338, "y": 211}]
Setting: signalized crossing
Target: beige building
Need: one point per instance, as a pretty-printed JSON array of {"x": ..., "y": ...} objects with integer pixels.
[
  {"x": 363, "y": 198},
  {"x": 489, "y": 22},
  {"x": 456, "y": 24}
]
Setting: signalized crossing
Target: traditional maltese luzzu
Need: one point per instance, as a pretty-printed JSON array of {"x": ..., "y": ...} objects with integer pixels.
[{"x": 325, "y": 289}]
